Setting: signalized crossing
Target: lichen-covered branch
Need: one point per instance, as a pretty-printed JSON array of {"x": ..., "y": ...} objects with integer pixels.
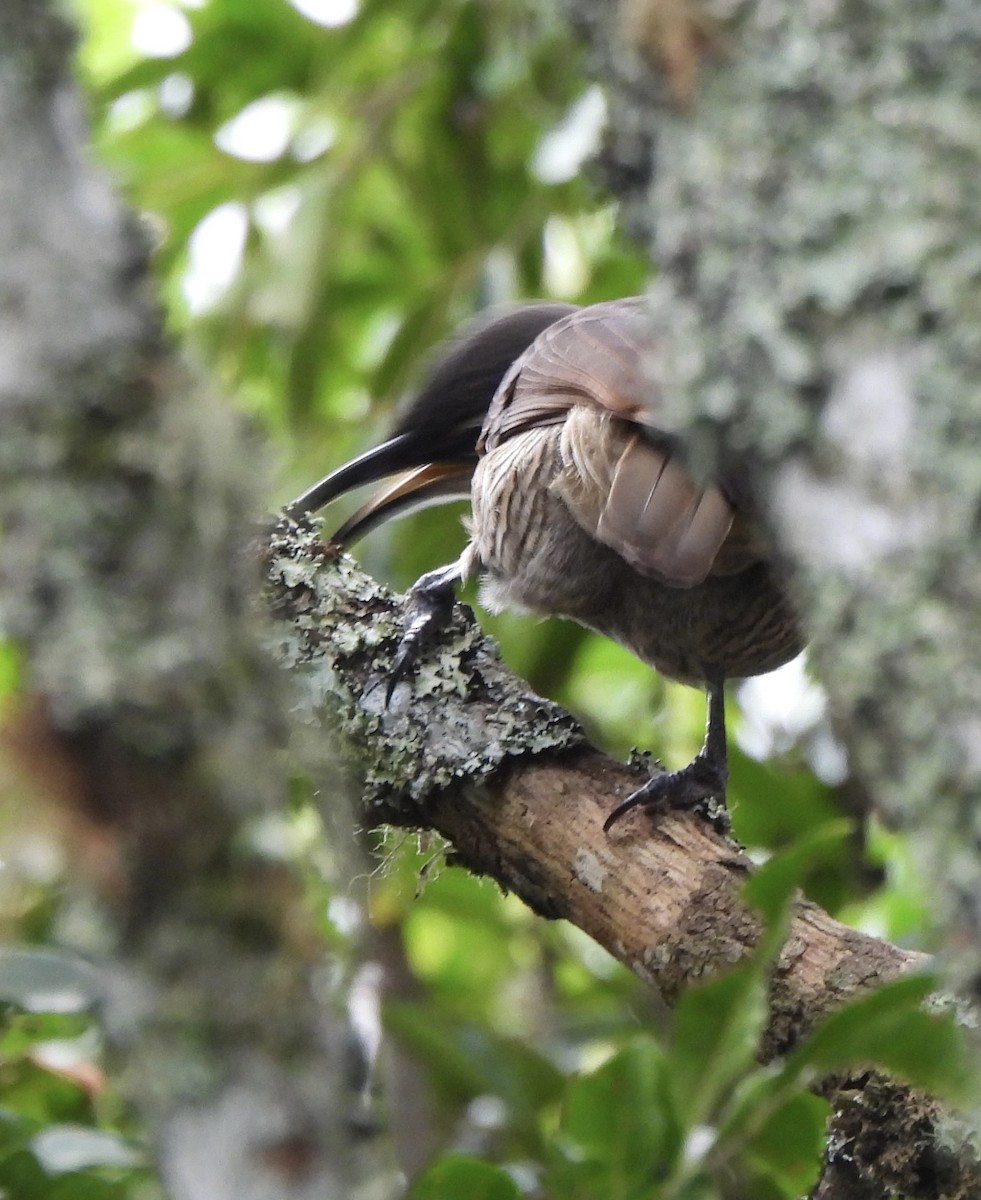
[
  {"x": 152, "y": 717},
  {"x": 465, "y": 750}
]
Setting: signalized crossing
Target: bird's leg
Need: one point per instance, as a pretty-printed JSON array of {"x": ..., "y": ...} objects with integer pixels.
[
  {"x": 704, "y": 777},
  {"x": 431, "y": 600}
]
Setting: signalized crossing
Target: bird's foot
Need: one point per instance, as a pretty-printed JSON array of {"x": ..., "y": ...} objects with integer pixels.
[
  {"x": 431, "y": 600},
  {"x": 704, "y": 779}
]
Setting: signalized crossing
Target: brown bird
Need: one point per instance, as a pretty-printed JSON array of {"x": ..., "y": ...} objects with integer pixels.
[{"x": 582, "y": 506}]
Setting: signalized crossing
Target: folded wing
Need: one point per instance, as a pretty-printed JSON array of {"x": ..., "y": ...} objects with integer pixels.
[{"x": 624, "y": 478}]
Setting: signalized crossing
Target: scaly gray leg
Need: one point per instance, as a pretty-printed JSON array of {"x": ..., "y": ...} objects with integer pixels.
[{"x": 431, "y": 600}]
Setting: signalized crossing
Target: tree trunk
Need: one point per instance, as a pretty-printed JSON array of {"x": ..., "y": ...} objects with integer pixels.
[
  {"x": 153, "y": 720},
  {"x": 804, "y": 175}
]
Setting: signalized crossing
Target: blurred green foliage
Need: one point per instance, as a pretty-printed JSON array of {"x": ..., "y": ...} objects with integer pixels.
[
  {"x": 64, "y": 1134},
  {"x": 328, "y": 199}
]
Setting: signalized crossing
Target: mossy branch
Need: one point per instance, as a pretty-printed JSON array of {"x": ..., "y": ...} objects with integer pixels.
[{"x": 467, "y": 751}]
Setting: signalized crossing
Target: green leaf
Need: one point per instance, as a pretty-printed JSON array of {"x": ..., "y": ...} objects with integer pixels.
[
  {"x": 10, "y": 667},
  {"x": 62, "y": 1149},
  {"x": 465, "y": 1059},
  {"x": 789, "y": 1147},
  {"x": 14, "y": 1132},
  {"x": 892, "y": 1028},
  {"x": 619, "y": 1132},
  {"x": 455, "y": 1177},
  {"x": 772, "y": 886},
  {"x": 716, "y": 1035}
]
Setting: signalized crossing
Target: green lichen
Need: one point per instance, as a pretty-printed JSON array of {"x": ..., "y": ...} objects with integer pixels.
[{"x": 458, "y": 718}]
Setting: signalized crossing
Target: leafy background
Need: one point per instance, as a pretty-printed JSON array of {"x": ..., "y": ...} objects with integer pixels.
[{"x": 331, "y": 189}]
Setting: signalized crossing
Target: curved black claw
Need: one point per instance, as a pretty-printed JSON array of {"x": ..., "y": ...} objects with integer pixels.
[
  {"x": 703, "y": 778},
  {"x": 431, "y": 600}
]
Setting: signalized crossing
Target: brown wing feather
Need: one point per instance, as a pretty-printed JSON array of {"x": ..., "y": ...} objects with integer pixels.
[{"x": 622, "y": 478}]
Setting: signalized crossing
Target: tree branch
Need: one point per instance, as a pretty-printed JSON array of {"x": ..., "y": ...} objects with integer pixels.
[{"x": 507, "y": 777}]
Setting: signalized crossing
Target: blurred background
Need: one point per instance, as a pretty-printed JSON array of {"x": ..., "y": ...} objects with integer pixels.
[{"x": 332, "y": 187}]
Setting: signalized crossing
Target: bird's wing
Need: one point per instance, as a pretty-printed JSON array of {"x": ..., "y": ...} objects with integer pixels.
[
  {"x": 594, "y": 356},
  {"x": 623, "y": 478}
]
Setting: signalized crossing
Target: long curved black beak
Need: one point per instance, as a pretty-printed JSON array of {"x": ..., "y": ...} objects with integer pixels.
[
  {"x": 421, "y": 483},
  {"x": 434, "y": 483},
  {"x": 400, "y": 453}
]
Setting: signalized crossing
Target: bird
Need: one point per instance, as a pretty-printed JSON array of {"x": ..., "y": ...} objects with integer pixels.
[{"x": 550, "y": 418}]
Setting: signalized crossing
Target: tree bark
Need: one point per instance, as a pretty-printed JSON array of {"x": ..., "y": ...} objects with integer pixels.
[
  {"x": 808, "y": 202},
  {"x": 152, "y": 717}
]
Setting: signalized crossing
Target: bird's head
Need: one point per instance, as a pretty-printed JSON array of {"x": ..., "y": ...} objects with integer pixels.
[{"x": 432, "y": 450}]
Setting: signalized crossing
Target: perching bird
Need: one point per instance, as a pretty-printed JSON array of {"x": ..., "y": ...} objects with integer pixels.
[{"x": 546, "y": 416}]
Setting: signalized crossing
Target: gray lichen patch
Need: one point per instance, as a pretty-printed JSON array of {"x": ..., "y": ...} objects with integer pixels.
[
  {"x": 589, "y": 870},
  {"x": 458, "y": 717}
]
